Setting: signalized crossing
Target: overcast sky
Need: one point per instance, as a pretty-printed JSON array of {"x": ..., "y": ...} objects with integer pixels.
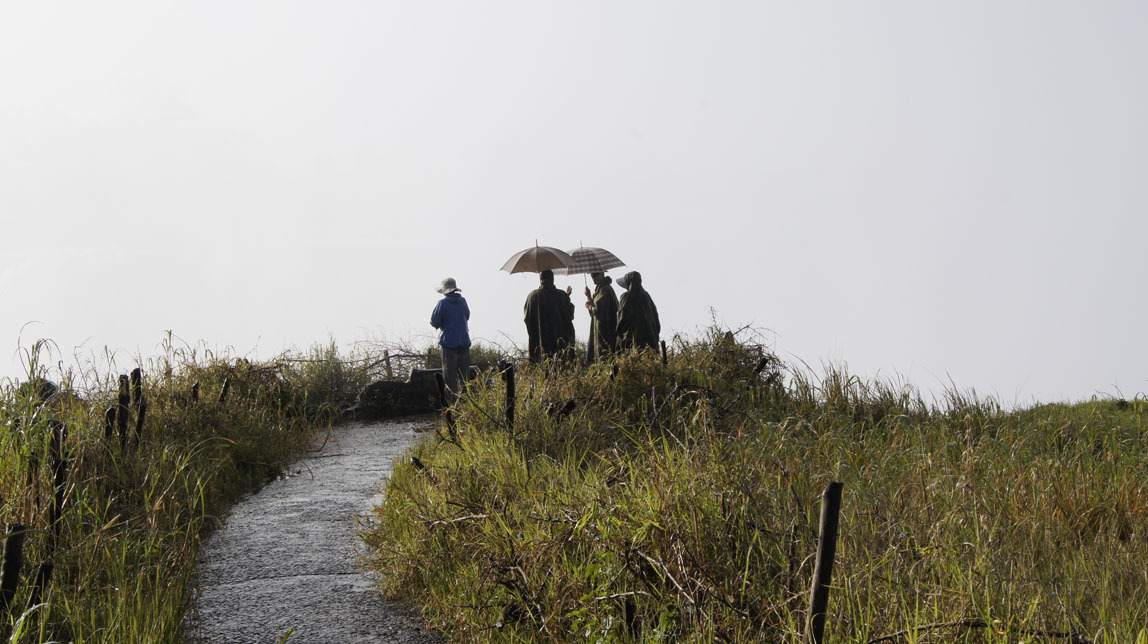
[{"x": 932, "y": 192}]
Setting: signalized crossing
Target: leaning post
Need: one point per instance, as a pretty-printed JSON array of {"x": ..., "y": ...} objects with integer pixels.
[
  {"x": 823, "y": 570},
  {"x": 665, "y": 356}
]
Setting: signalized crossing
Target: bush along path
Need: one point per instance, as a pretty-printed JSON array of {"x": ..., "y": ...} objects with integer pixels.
[{"x": 284, "y": 566}]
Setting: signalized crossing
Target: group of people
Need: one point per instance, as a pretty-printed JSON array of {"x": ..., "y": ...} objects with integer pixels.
[
  {"x": 628, "y": 322},
  {"x": 615, "y": 323}
]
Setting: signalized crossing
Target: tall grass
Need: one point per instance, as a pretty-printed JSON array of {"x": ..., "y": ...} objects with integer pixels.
[
  {"x": 679, "y": 502},
  {"x": 134, "y": 516}
]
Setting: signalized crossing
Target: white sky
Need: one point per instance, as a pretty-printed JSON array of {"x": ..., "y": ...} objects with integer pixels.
[{"x": 922, "y": 191}]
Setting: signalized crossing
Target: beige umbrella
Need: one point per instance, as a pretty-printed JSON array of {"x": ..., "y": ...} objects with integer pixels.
[{"x": 537, "y": 259}]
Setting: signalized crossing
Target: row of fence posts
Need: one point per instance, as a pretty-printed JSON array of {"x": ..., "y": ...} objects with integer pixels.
[
  {"x": 117, "y": 416},
  {"x": 129, "y": 397},
  {"x": 12, "y": 558},
  {"x": 826, "y": 537}
]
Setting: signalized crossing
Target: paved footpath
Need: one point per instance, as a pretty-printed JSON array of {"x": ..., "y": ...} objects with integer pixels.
[{"x": 285, "y": 559}]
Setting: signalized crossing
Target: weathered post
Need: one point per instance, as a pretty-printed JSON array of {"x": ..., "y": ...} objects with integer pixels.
[
  {"x": 665, "y": 357},
  {"x": 440, "y": 382},
  {"x": 508, "y": 377},
  {"x": 141, "y": 414},
  {"x": 195, "y": 391},
  {"x": 761, "y": 364},
  {"x": 137, "y": 386},
  {"x": 226, "y": 388},
  {"x": 10, "y": 567},
  {"x": 109, "y": 422},
  {"x": 387, "y": 364},
  {"x": 43, "y": 578},
  {"x": 122, "y": 410},
  {"x": 55, "y": 511},
  {"x": 823, "y": 570},
  {"x": 55, "y": 525},
  {"x": 59, "y": 481}
]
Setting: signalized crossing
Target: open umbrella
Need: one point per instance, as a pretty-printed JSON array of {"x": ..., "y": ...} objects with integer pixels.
[
  {"x": 591, "y": 260},
  {"x": 537, "y": 259}
]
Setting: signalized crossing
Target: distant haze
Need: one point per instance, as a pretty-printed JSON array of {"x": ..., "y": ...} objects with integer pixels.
[{"x": 942, "y": 193}]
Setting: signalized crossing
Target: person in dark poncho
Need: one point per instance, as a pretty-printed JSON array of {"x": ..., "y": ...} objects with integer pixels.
[
  {"x": 549, "y": 317},
  {"x": 603, "y": 307},
  {"x": 638, "y": 324}
]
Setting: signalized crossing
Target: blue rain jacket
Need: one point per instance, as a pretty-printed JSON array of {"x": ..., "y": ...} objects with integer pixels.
[{"x": 450, "y": 317}]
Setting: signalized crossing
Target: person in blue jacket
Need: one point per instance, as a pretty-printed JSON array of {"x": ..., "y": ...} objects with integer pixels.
[{"x": 450, "y": 317}]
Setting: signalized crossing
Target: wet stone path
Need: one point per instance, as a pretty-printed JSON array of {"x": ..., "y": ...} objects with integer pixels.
[{"x": 285, "y": 560}]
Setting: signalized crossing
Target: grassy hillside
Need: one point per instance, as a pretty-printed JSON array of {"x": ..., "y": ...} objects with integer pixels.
[
  {"x": 680, "y": 502},
  {"x": 121, "y": 547}
]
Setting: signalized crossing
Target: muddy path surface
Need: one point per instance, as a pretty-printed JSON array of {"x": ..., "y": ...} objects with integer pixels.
[{"x": 286, "y": 558}]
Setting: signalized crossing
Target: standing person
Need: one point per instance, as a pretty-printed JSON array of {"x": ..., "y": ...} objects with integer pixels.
[
  {"x": 549, "y": 317},
  {"x": 603, "y": 307},
  {"x": 450, "y": 317},
  {"x": 638, "y": 324}
]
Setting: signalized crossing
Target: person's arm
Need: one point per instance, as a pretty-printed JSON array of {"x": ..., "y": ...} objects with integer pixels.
[
  {"x": 436, "y": 316},
  {"x": 623, "y": 318},
  {"x": 530, "y": 316}
]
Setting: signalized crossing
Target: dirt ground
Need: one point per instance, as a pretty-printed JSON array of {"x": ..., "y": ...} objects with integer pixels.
[{"x": 284, "y": 563}]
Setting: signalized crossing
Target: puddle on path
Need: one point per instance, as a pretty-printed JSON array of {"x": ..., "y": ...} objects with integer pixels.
[{"x": 285, "y": 558}]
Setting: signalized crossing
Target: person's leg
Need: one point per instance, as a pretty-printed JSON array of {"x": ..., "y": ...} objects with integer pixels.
[
  {"x": 463, "y": 373},
  {"x": 450, "y": 372}
]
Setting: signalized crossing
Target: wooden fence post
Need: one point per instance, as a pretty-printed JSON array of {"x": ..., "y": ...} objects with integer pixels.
[
  {"x": 440, "y": 382},
  {"x": 59, "y": 469},
  {"x": 55, "y": 512},
  {"x": 226, "y": 388},
  {"x": 109, "y": 422},
  {"x": 141, "y": 414},
  {"x": 508, "y": 376},
  {"x": 665, "y": 357},
  {"x": 195, "y": 391},
  {"x": 10, "y": 568},
  {"x": 387, "y": 364},
  {"x": 122, "y": 410},
  {"x": 137, "y": 386},
  {"x": 823, "y": 570}
]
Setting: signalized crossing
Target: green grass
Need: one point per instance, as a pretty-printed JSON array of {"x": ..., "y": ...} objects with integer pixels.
[
  {"x": 680, "y": 502},
  {"x": 134, "y": 517}
]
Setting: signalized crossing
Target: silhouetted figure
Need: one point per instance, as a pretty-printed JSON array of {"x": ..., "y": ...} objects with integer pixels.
[
  {"x": 603, "y": 307},
  {"x": 549, "y": 317},
  {"x": 638, "y": 324}
]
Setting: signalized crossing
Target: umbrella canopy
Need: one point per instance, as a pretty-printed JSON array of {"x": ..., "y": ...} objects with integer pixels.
[
  {"x": 537, "y": 259},
  {"x": 591, "y": 260}
]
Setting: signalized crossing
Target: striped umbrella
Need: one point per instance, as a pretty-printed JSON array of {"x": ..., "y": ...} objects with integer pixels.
[{"x": 591, "y": 260}]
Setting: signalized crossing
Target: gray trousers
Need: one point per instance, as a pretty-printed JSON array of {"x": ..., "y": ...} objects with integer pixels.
[{"x": 455, "y": 370}]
